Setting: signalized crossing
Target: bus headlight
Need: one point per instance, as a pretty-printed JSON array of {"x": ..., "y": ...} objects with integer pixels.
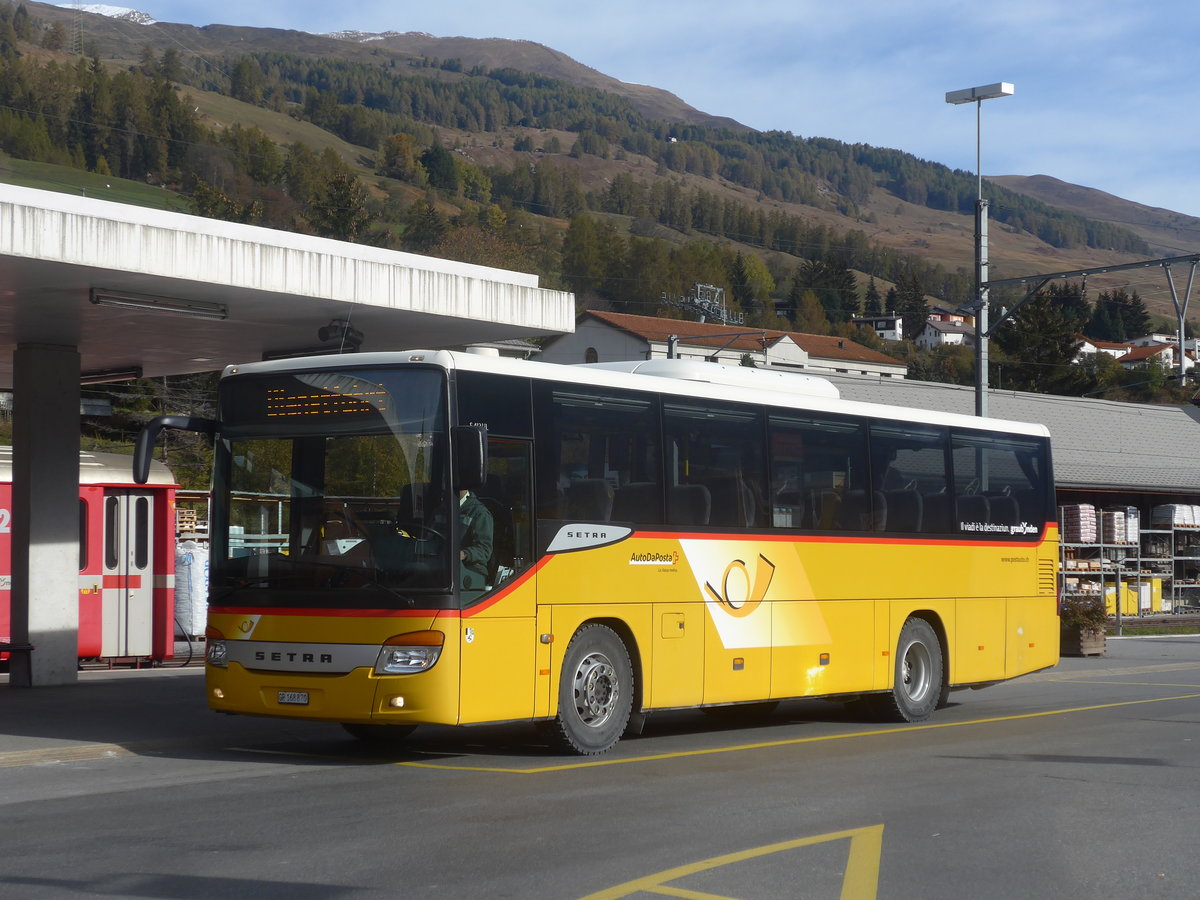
[
  {"x": 406, "y": 654},
  {"x": 217, "y": 653}
]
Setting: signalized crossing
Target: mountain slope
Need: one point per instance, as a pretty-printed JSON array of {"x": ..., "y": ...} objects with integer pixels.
[
  {"x": 894, "y": 200},
  {"x": 120, "y": 34},
  {"x": 527, "y": 56},
  {"x": 1168, "y": 233}
]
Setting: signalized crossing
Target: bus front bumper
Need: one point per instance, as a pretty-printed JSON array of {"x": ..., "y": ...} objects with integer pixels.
[{"x": 361, "y": 696}]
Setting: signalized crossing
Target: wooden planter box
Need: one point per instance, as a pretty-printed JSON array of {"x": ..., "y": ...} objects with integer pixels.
[{"x": 1082, "y": 640}]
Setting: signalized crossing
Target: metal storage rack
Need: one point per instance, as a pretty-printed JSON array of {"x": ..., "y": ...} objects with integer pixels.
[
  {"x": 1173, "y": 553},
  {"x": 1091, "y": 568}
]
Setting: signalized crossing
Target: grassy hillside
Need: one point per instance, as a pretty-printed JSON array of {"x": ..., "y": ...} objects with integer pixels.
[{"x": 67, "y": 180}]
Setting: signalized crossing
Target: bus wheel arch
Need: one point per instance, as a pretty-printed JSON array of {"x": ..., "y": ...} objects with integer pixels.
[{"x": 596, "y": 691}]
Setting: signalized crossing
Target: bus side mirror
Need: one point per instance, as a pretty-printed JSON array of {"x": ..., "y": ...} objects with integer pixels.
[
  {"x": 143, "y": 450},
  {"x": 469, "y": 444}
]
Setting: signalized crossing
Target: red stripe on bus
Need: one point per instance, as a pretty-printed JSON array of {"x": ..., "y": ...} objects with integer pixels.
[
  {"x": 507, "y": 589},
  {"x": 837, "y": 538}
]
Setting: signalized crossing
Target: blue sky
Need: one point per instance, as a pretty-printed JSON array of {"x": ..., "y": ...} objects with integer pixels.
[{"x": 1105, "y": 89}]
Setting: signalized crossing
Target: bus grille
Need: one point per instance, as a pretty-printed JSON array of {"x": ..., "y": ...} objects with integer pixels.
[{"x": 1047, "y": 578}]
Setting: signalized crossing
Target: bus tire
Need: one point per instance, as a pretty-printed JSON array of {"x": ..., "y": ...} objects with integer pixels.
[
  {"x": 595, "y": 692},
  {"x": 379, "y": 734},
  {"x": 917, "y": 687}
]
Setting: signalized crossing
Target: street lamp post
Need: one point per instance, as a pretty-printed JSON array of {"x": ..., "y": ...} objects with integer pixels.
[{"x": 977, "y": 95}]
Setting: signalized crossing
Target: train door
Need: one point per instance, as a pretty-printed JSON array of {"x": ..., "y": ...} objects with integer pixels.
[{"x": 128, "y": 615}]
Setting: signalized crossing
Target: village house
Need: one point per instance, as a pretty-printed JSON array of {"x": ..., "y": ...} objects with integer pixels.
[{"x": 617, "y": 337}]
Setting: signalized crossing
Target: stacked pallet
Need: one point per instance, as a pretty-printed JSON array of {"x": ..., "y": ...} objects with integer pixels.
[
  {"x": 185, "y": 521},
  {"x": 1120, "y": 525},
  {"x": 1175, "y": 515},
  {"x": 1080, "y": 525}
]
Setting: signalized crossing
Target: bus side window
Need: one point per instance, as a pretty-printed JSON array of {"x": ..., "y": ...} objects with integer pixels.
[
  {"x": 720, "y": 448},
  {"x": 593, "y": 445},
  {"x": 820, "y": 479},
  {"x": 997, "y": 480},
  {"x": 908, "y": 467}
]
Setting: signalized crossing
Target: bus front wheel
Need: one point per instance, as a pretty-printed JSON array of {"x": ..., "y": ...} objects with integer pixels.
[{"x": 595, "y": 692}]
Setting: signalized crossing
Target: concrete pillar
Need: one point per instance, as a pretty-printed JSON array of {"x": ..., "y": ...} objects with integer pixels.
[{"x": 45, "y": 520}]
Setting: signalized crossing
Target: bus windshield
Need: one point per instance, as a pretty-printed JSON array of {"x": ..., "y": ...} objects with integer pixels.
[{"x": 331, "y": 490}]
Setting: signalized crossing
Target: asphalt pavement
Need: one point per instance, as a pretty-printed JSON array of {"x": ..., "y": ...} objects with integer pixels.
[{"x": 110, "y": 712}]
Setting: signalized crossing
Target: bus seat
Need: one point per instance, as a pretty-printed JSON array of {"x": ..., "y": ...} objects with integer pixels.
[
  {"x": 825, "y": 505},
  {"x": 935, "y": 513},
  {"x": 904, "y": 509},
  {"x": 972, "y": 508},
  {"x": 857, "y": 513},
  {"x": 688, "y": 504},
  {"x": 1031, "y": 506},
  {"x": 1005, "y": 510},
  {"x": 638, "y": 501},
  {"x": 589, "y": 500},
  {"x": 732, "y": 502}
]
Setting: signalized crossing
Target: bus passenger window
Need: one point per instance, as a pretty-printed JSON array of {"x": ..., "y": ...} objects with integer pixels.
[
  {"x": 999, "y": 484},
  {"x": 820, "y": 479},
  {"x": 598, "y": 455},
  {"x": 908, "y": 466},
  {"x": 718, "y": 448}
]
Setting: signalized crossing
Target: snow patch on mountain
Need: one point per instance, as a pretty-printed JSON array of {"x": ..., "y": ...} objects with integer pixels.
[{"x": 113, "y": 12}]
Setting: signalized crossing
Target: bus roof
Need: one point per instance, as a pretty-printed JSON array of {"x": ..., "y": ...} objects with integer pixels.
[
  {"x": 666, "y": 376},
  {"x": 99, "y": 468}
]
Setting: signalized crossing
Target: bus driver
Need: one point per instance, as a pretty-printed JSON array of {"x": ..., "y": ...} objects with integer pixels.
[{"x": 475, "y": 554}]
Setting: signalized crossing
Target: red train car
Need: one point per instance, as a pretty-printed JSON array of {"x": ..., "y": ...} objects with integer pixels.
[{"x": 126, "y": 558}]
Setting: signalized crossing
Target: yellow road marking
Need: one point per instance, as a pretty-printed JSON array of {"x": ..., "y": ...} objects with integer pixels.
[
  {"x": 109, "y": 751},
  {"x": 784, "y": 742},
  {"x": 860, "y": 882},
  {"x": 1104, "y": 673},
  {"x": 1133, "y": 683}
]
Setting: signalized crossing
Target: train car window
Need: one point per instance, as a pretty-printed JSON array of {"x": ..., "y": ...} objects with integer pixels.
[
  {"x": 112, "y": 519},
  {"x": 83, "y": 544},
  {"x": 141, "y": 532}
]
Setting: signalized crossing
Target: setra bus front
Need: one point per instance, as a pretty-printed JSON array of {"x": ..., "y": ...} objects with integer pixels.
[{"x": 335, "y": 582}]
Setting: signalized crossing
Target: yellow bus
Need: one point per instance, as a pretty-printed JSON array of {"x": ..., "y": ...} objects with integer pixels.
[{"x": 430, "y": 537}]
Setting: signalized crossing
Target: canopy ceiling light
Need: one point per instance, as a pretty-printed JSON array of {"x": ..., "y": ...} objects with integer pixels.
[
  {"x": 196, "y": 308},
  {"x": 104, "y": 376}
]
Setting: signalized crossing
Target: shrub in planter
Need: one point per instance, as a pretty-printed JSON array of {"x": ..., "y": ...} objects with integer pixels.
[
  {"x": 1083, "y": 612},
  {"x": 1083, "y": 620}
]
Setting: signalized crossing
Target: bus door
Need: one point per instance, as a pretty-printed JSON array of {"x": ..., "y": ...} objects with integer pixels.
[
  {"x": 128, "y": 584},
  {"x": 499, "y": 643}
]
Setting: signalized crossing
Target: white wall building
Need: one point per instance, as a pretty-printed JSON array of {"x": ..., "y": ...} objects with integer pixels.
[{"x": 616, "y": 337}]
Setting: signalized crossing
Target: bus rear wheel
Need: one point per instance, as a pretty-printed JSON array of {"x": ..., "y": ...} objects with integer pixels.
[
  {"x": 917, "y": 686},
  {"x": 595, "y": 692},
  {"x": 379, "y": 734}
]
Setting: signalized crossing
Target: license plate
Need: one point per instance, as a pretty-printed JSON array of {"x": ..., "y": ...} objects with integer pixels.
[{"x": 294, "y": 698}]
